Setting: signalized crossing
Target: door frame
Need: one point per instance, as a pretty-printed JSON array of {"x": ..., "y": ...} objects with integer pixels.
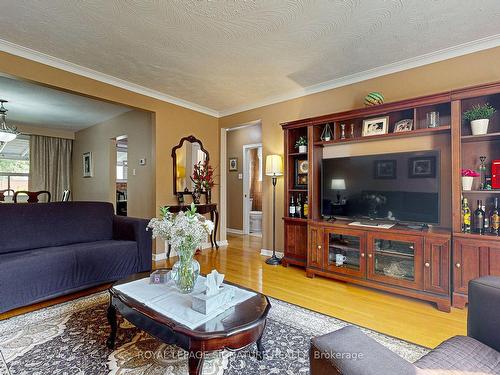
[{"x": 246, "y": 186}]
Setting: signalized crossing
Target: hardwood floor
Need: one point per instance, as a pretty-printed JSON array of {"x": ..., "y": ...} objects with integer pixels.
[
  {"x": 408, "y": 319},
  {"x": 412, "y": 320}
]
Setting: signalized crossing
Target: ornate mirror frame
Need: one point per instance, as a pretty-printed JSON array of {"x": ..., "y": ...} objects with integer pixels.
[{"x": 191, "y": 139}]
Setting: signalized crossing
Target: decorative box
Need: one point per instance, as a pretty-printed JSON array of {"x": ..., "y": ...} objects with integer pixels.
[
  {"x": 159, "y": 277},
  {"x": 206, "y": 304},
  {"x": 495, "y": 174}
]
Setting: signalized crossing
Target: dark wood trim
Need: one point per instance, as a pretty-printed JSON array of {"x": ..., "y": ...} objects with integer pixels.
[
  {"x": 371, "y": 111},
  {"x": 191, "y": 139}
]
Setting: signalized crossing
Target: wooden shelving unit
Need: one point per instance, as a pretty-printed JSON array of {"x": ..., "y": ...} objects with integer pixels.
[
  {"x": 412, "y": 133},
  {"x": 443, "y": 269}
]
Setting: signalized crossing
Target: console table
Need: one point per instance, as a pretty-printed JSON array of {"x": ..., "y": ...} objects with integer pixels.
[{"x": 202, "y": 209}]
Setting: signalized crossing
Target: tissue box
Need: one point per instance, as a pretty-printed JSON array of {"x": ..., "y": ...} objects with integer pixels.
[{"x": 206, "y": 304}]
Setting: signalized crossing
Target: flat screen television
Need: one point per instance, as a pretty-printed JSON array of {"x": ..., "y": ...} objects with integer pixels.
[{"x": 397, "y": 187}]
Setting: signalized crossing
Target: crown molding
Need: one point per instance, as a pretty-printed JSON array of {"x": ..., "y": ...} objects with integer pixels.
[
  {"x": 414, "y": 62},
  {"x": 30, "y": 54}
]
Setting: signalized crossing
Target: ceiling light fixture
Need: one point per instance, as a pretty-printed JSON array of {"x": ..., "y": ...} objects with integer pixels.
[{"x": 7, "y": 133}]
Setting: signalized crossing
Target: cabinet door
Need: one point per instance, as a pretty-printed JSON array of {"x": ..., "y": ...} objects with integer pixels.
[
  {"x": 346, "y": 252},
  {"x": 465, "y": 264},
  {"x": 296, "y": 242},
  {"x": 472, "y": 259},
  {"x": 315, "y": 247},
  {"x": 437, "y": 266},
  {"x": 396, "y": 259}
]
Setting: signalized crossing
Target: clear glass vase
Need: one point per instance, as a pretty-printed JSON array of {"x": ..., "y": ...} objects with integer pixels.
[{"x": 185, "y": 272}]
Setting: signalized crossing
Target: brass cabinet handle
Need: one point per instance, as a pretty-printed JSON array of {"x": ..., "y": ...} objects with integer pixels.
[
  {"x": 319, "y": 246},
  {"x": 427, "y": 264},
  {"x": 369, "y": 255},
  {"x": 362, "y": 255},
  {"x": 458, "y": 265}
]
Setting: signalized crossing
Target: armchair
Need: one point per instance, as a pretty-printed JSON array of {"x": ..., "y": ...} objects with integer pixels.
[{"x": 349, "y": 351}]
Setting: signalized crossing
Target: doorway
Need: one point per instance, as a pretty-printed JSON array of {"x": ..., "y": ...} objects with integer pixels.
[
  {"x": 121, "y": 175},
  {"x": 252, "y": 189}
]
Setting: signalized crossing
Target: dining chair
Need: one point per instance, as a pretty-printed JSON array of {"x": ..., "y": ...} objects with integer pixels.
[
  {"x": 2, "y": 194},
  {"x": 66, "y": 195},
  {"x": 32, "y": 195}
]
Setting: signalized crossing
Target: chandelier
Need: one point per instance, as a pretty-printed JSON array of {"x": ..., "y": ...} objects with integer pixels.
[{"x": 7, "y": 133}]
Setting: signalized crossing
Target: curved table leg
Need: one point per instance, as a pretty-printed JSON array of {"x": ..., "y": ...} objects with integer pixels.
[
  {"x": 110, "y": 343},
  {"x": 215, "y": 227},
  {"x": 195, "y": 362},
  {"x": 213, "y": 234}
]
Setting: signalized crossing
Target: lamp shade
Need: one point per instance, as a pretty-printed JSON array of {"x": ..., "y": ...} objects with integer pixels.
[
  {"x": 274, "y": 165},
  {"x": 338, "y": 184}
]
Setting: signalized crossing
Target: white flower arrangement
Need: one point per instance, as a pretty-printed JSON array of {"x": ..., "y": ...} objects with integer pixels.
[{"x": 185, "y": 232}]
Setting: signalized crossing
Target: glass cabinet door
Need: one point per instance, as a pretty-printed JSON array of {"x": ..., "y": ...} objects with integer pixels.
[
  {"x": 346, "y": 252},
  {"x": 395, "y": 259}
]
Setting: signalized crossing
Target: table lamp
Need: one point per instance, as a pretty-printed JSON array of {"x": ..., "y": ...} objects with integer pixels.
[
  {"x": 274, "y": 169},
  {"x": 338, "y": 184}
]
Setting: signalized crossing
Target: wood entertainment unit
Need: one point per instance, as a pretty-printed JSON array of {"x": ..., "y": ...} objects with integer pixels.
[{"x": 433, "y": 264}]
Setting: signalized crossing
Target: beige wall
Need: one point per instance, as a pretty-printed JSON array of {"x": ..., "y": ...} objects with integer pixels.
[
  {"x": 137, "y": 126},
  {"x": 473, "y": 69},
  {"x": 236, "y": 139},
  {"x": 171, "y": 122},
  {"x": 45, "y": 131}
]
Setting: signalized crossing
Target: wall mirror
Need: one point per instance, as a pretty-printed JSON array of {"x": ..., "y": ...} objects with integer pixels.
[{"x": 186, "y": 155}]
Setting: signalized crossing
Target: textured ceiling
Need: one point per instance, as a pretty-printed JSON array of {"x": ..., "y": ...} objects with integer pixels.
[
  {"x": 224, "y": 54},
  {"x": 36, "y": 105}
]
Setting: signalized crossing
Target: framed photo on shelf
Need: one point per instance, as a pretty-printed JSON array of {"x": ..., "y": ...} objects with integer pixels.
[
  {"x": 233, "y": 164},
  {"x": 422, "y": 167},
  {"x": 385, "y": 169},
  {"x": 301, "y": 173},
  {"x": 88, "y": 165},
  {"x": 405, "y": 125},
  {"x": 375, "y": 126}
]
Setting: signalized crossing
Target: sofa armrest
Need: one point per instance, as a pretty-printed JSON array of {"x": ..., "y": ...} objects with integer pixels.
[
  {"x": 349, "y": 351},
  {"x": 483, "y": 321},
  {"x": 133, "y": 229}
]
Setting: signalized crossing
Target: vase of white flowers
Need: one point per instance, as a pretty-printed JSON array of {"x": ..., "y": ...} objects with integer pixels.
[{"x": 185, "y": 232}]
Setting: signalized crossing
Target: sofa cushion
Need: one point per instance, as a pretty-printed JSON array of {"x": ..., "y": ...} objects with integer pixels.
[
  {"x": 34, "y": 275},
  {"x": 461, "y": 355},
  {"x": 32, "y": 226}
]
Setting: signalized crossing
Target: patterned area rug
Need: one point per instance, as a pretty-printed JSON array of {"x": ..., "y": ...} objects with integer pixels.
[{"x": 70, "y": 339}]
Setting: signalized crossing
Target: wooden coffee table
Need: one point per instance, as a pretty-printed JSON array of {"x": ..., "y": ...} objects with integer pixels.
[{"x": 242, "y": 327}]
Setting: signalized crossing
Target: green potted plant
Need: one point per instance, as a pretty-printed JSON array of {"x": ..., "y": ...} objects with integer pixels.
[
  {"x": 301, "y": 144},
  {"x": 479, "y": 117}
]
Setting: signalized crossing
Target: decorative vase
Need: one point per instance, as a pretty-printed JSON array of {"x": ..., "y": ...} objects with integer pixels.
[
  {"x": 196, "y": 195},
  {"x": 209, "y": 195},
  {"x": 302, "y": 149},
  {"x": 479, "y": 127},
  {"x": 185, "y": 272},
  {"x": 467, "y": 182}
]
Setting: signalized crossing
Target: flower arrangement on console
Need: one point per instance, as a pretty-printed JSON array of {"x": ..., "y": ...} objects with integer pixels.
[
  {"x": 204, "y": 179},
  {"x": 185, "y": 232},
  {"x": 468, "y": 178}
]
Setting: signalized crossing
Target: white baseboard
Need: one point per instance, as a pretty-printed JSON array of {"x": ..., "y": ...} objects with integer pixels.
[
  {"x": 163, "y": 254},
  {"x": 269, "y": 253},
  {"x": 234, "y": 231},
  {"x": 159, "y": 256}
]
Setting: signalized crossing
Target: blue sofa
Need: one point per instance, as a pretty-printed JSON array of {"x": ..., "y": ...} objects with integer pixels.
[{"x": 51, "y": 249}]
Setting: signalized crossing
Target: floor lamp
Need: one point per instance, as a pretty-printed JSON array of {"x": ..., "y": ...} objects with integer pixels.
[{"x": 274, "y": 169}]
